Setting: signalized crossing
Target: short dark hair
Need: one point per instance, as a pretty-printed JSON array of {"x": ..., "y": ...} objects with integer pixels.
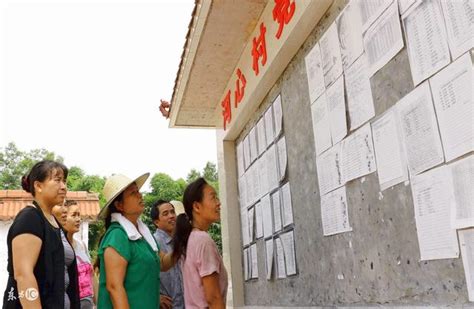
[
  {"x": 40, "y": 172},
  {"x": 155, "y": 209}
]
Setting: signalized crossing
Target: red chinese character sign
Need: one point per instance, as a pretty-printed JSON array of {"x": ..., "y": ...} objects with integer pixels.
[
  {"x": 226, "y": 109},
  {"x": 259, "y": 49},
  {"x": 282, "y": 13},
  {"x": 239, "y": 87}
]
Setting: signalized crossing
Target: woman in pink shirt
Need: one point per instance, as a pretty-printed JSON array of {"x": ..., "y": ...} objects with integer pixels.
[{"x": 204, "y": 274}]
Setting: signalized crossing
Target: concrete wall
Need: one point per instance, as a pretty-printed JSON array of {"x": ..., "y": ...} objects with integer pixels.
[{"x": 376, "y": 263}]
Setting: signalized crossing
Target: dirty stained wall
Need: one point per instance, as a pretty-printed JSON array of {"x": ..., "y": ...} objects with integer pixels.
[{"x": 376, "y": 263}]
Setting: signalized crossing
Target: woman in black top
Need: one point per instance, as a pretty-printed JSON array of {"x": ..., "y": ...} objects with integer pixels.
[{"x": 36, "y": 259}]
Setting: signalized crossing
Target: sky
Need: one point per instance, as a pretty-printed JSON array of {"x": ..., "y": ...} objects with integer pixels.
[{"x": 84, "y": 79}]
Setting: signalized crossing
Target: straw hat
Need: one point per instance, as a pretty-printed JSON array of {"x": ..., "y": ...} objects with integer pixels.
[
  {"x": 115, "y": 185},
  {"x": 178, "y": 207}
]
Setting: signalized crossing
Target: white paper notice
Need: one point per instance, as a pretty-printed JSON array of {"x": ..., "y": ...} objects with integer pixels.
[
  {"x": 262, "y": 141},
  {"x": 359, "y": 93},
  {"x": 426, "y": 40},
  {"x": 272, "y": 168},
  {"x": 244, "y": 222},
  {"x": 288, "y": 243},
  {"x": 337, "y": 110},
  {"x": 358, "y": 157},
  {"x": 349, "y": 26},
  {"x": 287, "y": 204},
  {"x": 269, "y": 257},
  {"x": 459, "y": 19},
  {"x": 389, "y": 152},
  {"x": 420, "y": 131},
  {"x": 246, "y": 265},
  {"x": 383, "y": 40},
  {"x": 278, "y": 116},
  {"x": 433, "y": 198},
  {"x": 371, "y": 10},
  {"x": 246, "y": 145},
  {"x": 462, "y": 171},
  {"x": 331, "y": 55},
  {"x": 329, "y": 169},
  {"x": 277, "y": 225},
  {"x": 240, "y": 159},
  {"x": 258, "y": 221},
  {"x": 334, "y": 214},
  {"x": 267, "y": 216},
  {"x": 254, "y": 259},
  {"x": 466, "y": 241},
  {"x": 253, "y": 144},
  {"x": 454, "y": 102},
  {"x": 314, "y": 71},
  {"x": 321, "y": 129},
  {"x": 269, "y": 132},
  {"x": 251, "y": 215},
  {"x": 263, "y": 174},
  {"x": 242, "y": 191},
  {"x": 404, "y": 5},
  {"x": 280, "y": 257},
  {"x": 282, "y": 157}
]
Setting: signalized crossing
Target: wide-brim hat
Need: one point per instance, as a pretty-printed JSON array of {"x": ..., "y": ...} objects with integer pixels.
[
  {"x": 178, "y": 207},
  {"x": 115, "y": 185}
]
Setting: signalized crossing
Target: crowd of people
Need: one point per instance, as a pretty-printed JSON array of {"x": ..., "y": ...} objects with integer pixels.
[{"x": 178, "y": 266}]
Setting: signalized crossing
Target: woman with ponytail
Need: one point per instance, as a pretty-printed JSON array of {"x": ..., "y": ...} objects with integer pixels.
[
  {"x": 204, "y": 274},
  {"x": 41, "y": 261}
]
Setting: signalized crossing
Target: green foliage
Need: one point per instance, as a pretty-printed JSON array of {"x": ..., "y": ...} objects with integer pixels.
[{"x": 15, "y": 163}]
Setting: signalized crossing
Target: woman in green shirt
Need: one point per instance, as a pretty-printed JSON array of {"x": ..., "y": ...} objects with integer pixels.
[{"x": 130, "y": 260}]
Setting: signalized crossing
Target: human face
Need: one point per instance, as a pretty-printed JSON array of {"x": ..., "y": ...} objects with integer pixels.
[
  {"x": 60, "y": 212},
  {"x": 132, "y": 202},
  {"x": 209, "y": 209},
  {"x": 167, "y": 218},
  {"x": 73, "y": 219},
  {"x": 52, "y": 191}
]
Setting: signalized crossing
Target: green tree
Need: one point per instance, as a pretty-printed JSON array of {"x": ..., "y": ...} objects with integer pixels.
[
  {"x": 15, "y": 163},
  {"x": 192, "y": 176}
]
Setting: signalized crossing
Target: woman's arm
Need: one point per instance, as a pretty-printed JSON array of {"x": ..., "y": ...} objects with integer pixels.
[
  {"x": 115, "y": 269},
  {"x": 166, "y": 261},
  {"x": 25, "y": 252},
  {"x": 212, "y": 291}
]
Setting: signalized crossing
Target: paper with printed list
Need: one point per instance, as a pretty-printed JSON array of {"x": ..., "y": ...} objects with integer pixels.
[
  {"x": 267, "y": 216},
  {"x": 240, "y": 159},
  {"x": 280, "y": 258},
  {"x": 359, "y": 93},
  {"x": 288, "y": 243},
  {"x": 246, "y": 151},
  {"x": 427, "y": 43},
  {"x": 433, "y": 197},
  {"x": 321, "y": 129},
  {"x": 251, "y": 216},
  {"x": 334, "y": 213},
  {"x": 358, "y": 157},
  {"x": 244, "y": 223},
  {"x": 330, "y": 55},
  {"x": 420, "y": 130},
  {"x": 282, "y": 157},
  {"x": 383, "y": 40},
  {"x": 462, "y": 215},
  {"x": 242, "y": 191},
  {"x": 329, "y": 169},
  {"x": 371, "y": 10},
  {"x": 466, "y": 241},
  {"x": 337, "y": 110},
  {"x": 389, "y": 150},
  {"x": 254, "y": 259},
  {"x": 269, "y": 257},
  {"x": 253, "y": 144},
  {"x": 285, "y": 192},
  {"x": 314, "y": 71},
  {"x": 258, "y": 221},
  {"x": 269, "y": 132},
  {"x": 453, "y": 98},
  {"x": 262, "y": 141},
  {"x": 349, "y": 27},
  {"x": 263, "y": 174},
  {"x": 459, "y": 19},
  {"x": 277, "y": 223},
  {"x": 246, "y": 265},
  {"x": 404, "y": 5},
  {"x": 272, "y": 167},
  {"x": 278, "y": 116}
]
